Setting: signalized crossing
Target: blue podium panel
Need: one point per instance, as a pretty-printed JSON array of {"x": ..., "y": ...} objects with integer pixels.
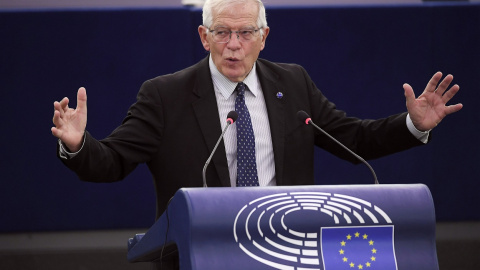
[{"x": 298, "y": 228}]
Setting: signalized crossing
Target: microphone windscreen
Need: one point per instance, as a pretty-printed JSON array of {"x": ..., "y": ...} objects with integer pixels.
[
  {"x": 232, "y": 115},
  {"x": 302, "y": 116}
]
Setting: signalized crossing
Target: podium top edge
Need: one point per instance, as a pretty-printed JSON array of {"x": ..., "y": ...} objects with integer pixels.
[{"x": 313, "y": 187}]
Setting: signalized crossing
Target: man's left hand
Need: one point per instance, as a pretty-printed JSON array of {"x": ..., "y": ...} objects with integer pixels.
[{"x": 429, "y": 109}]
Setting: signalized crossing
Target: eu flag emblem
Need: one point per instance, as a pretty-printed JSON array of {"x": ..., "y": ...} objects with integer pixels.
[{"x": 362, "y": 247}]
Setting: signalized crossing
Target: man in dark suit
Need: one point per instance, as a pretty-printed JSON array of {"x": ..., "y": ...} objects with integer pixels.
[{"x": 178, "y": 118}]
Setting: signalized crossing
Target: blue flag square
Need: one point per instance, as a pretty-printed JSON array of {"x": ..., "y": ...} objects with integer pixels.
[{"x": 358, "y": 247}]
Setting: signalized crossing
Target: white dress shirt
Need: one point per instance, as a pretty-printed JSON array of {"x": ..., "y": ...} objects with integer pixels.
[{"x": 224, "y": 92}]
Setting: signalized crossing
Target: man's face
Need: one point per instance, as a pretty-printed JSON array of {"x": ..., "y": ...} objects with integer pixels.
[{"x": 234, "y": 59}]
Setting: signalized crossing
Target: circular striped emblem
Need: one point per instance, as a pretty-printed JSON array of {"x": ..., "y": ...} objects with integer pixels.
[{"x": 283, "y": 230}]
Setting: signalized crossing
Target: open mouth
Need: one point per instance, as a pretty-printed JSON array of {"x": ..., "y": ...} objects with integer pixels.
[{"x": 232, "y": 59}]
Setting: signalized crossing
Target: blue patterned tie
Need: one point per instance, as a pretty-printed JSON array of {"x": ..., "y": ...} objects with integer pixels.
[{"x": 246, "y": 161}]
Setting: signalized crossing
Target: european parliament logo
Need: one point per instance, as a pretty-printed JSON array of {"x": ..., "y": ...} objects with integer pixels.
[
  {"x": 316, "y": 231},
  {"x": 366, "y": 247}
]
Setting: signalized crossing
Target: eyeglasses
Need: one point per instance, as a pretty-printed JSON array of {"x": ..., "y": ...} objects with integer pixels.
[{"x": 223, "y": 35}]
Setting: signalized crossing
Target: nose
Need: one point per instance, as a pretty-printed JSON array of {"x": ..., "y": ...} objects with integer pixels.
[{"x": 234, "y": 41}]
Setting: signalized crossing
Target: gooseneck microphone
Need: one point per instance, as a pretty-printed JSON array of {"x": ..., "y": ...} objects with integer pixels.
[
  {"x": 304, "y": 117},
  {"x": 231, "y": 118}
]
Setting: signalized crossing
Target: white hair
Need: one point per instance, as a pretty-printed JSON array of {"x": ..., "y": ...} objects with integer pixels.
[{"x": 220, "y": 5}]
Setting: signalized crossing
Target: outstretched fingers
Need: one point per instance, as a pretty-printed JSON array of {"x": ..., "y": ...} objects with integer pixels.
[
  {"x": 409, "y": 94},
  {"x": 443, "y": 86},
  {"x": 69, "y": 122},
  {"x": 432, "y": 84},
  {"x": 447, "y": 95},
  {"x": 453, "y": 108},
  {"x": 61, "y": 106},
  {"x": 450, "y": 93},
  {"x": 60, "y": 109},
  {"x": 82, "y": 100},
  {"x": 57, "y": 119}
]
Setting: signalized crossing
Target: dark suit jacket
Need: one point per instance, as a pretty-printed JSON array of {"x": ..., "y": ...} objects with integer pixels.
[{"x": 174, "y": 126}]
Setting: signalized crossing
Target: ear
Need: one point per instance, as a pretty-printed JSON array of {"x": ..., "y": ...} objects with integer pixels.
[
  {"x": 203, "y": 33},
  {"x": 264, "y": 37}
]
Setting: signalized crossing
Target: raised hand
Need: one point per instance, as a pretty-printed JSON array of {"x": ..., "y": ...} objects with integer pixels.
[
  {"x": 429, "y": 109},
  {"x": 70, "y": 123}
]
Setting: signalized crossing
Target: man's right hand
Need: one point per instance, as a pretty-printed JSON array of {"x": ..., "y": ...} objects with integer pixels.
[{"x": 70, "y": 123}]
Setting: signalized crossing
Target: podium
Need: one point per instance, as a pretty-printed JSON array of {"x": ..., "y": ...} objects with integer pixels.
[{"x": 295, "y": 227}]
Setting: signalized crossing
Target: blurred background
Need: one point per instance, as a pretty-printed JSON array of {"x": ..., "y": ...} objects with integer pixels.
[{"x": 359, "y": 53}]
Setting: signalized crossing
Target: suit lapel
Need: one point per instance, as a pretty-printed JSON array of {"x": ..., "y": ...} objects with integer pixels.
[
  {"x": 275, "y": 108},
  {"x": 206, "y": 112}
]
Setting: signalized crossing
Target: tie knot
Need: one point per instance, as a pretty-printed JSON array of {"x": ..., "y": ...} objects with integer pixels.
[{"x": 241, "y": 89}]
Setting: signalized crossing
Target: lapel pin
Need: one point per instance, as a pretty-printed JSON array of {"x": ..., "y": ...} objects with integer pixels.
[{"x": 279, "y": 95}]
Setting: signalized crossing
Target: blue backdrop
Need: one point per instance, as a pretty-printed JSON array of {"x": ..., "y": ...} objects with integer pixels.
[{"x": 358, "y": 56}]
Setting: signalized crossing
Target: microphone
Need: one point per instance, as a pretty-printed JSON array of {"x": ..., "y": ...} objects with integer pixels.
[
  {"x": 231, "y": 118},
  {"x": 304, "y": 117}
]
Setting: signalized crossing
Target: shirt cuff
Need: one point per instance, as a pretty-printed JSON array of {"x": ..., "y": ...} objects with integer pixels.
[
  {"x": 420, "y": 135},
  {"x": 63, "y": 153}
]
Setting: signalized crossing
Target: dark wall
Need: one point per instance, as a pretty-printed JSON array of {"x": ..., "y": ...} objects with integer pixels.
[{"x": 358, "y": 56}]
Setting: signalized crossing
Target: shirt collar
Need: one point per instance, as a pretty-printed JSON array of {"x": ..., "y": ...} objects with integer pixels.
[{"x": 227, "y": 87}]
